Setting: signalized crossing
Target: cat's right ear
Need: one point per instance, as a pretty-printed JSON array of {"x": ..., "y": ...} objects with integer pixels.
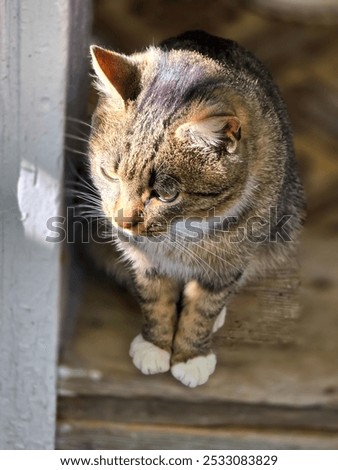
[
  {"x": 212, "y": 131},
  {"x": 117, "y": 75}
]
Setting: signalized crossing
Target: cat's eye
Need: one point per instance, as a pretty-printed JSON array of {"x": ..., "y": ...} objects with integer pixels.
[
  {"x": 107, "y": 175},
  {"x": 168, "y": 195}
]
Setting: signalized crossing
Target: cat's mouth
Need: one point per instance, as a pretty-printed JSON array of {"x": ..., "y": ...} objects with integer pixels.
[{"x": 141, "y": 231}]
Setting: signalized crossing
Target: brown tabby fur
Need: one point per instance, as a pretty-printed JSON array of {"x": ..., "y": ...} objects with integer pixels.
[{"x": 198, "y": 118}]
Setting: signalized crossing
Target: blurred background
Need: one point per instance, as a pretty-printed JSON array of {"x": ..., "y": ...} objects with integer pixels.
[{"x": 267, "y": 390}]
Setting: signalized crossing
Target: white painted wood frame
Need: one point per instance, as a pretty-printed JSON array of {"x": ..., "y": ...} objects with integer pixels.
[{"x": 34, "y": 49}]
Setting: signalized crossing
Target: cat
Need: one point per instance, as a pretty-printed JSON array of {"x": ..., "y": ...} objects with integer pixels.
[{"x": 191, "y": 154}]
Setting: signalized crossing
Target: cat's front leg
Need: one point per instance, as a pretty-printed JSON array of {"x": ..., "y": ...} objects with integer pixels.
[
  {"x": 202, "y": 313},
  {"x": 158, "y": 295}
]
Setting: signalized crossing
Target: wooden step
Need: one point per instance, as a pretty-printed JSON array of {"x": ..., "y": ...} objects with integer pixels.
[
  {"x": 89, "y": 435},
  {"x": 274, "y": 375}
]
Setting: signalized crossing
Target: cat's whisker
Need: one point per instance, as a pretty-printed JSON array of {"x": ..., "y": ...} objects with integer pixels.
[
  {"x": 195, "y": 256},
  {"x": 76, "y": 137},
  {"x": 212, "y": 253},
  {"x": 76, "y": 151},
  {"x": 107, "y": 234},
  {"x": 88, "y": 203},
  {"x": 180, "y": 247},
  {"x": 79, "y": 187},
  {"x": 207, "y": 251},
  {"x": 93, "y": 216},
  {"x": 84, "y": 133},
  {"x": 79, "y": 121},
  {"x": 216, "y": 255},
  {"x": 83, "y": 195},
  {"x": 77, "y": 173},
  {"x": 86, "y": 198},
  {"x": 83, "y": 206},
  {"x": 86, "y": 184},
  {"x": 88, "y": 207},
  {"x": 185, "y": 251}
]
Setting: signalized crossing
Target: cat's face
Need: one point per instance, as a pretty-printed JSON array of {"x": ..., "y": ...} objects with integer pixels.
[{"x": 163, "y": 146}]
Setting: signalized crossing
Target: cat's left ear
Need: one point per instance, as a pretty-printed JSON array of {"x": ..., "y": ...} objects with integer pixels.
[
  {"x": 118, "y": 75},
  {"x": 213, "y": 131}
]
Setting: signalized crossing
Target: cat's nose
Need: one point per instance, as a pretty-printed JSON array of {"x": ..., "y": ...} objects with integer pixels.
[{"x": 129, "y": 220}]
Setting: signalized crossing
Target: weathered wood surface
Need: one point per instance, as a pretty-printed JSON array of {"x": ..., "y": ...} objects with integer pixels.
[
  {"x": 257, "y": 385},
  {"x": 97, "y": 435},
  {"x": 207, "y": 414},
  {"x": 266, "y": 310},
  {"x": 298, "y": 373}
]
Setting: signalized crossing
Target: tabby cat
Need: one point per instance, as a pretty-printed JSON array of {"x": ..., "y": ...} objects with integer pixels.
[{"x": 192, "y": 156}]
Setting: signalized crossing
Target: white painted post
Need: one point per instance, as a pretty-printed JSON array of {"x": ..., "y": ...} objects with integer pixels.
[{"x": 33, "y": 63}]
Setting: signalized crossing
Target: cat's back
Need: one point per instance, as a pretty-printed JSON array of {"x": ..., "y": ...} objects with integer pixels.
[
  {"x": 226, "y": 52},
  {"x": 242, "y": 69}
]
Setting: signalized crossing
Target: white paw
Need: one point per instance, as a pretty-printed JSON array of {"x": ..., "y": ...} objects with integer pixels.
[
  {"x": 219, "y": 322},
  {"x": 147, "y": 357},
  {"x": 195, "y": 371}
]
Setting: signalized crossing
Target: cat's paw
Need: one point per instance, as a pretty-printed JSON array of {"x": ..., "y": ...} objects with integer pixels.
[
  {"x": 219, "y": 322},
  {"x": 147, "y": 357},
  {"x": 195, "y": 371}
]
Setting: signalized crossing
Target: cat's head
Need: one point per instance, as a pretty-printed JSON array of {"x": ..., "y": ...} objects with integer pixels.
[{"x": 165, "y": 142}]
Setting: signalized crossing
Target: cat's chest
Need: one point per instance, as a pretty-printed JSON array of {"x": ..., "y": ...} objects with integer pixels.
[
  {"x": 169, "y": 259},
  {"x": 177, "y": 259}
]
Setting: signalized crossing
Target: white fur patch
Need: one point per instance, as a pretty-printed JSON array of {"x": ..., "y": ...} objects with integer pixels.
[
  {"x": 206, "y": 132},
  {"x": 219, "y": 322},
  {"x": 147, "y": 357},
  {"x": 195, "y": 371},
  {"x": 191, "y": 290},
  {"x": 209, "y": 131}
]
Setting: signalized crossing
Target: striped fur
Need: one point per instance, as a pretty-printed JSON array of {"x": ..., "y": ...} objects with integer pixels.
[{"x": 198, "y": 141}]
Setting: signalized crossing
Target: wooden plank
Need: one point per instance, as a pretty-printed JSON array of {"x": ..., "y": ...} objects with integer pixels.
[
  {"x": 96, "y": 435},
  {"x": 33, "y": 58},
  {"x": 174, "y": 412},
  {"x": 264, "y": 311},
  {"x": 299, "y": 373}
]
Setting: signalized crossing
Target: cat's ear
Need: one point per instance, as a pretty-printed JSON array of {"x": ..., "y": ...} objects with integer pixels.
[
  {"x": 118, "y": 76},
  {"x": 212, "y": 131}
]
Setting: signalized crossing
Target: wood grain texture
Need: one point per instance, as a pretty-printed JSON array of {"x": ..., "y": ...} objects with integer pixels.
[
  {"x": 266, "y": 310},
  {"x": 207, "y": 414},
  {"x": 257, "y": 385},
  {"x": 96, "y": 435}
]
